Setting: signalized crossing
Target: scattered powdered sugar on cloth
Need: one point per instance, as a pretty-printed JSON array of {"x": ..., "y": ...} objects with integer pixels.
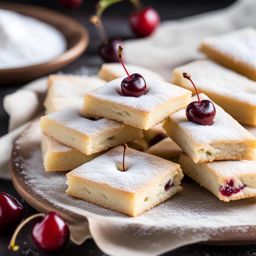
[{"x": 191, "y": 216}]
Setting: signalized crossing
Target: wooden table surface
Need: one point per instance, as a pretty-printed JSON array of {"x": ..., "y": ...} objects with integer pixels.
[{"x": 116, "y": 23}]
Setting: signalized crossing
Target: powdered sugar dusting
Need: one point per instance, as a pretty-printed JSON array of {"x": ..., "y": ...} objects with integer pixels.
[
  {"x": 192, "y": 215},
  {"x": 224, "y": 128},
  {"x": 142, "y": 169},
  {"x": 158, "y": 93},
  {"x": 213, "y": 78},
  {"x": 240, "y": 45},
  {"x": 72, "y": 119}
]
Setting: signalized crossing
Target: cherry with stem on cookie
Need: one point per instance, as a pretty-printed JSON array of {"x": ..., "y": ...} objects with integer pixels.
[
  {"x": 133, "y": 85},
  {"x": 109, "y": 46},
  {"x": 202, "y": 111},
  {"x": 11, "y": 212},
  {"x": 50, "y": 234},
  {"x": 143, "y": 21},
  {"x": 71, "y": 3}
]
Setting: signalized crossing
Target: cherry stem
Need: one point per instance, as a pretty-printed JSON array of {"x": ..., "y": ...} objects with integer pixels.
[
  {"x": 120, "y": 57},
  {"x": 124, "y": 168},
  {"x": 187, "y": 76},
  {"x": 12, "y": 246},
  {"x": 137, "y": 4},
  {"x": 97, "y": 22}
]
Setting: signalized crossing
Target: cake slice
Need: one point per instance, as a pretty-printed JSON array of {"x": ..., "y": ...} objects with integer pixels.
[
  {"x": 111, "y": 71},
  {"x": 142, "y": 112},
  {"x": 166, "y": 149},
  {"x": 67, "y": 90},
  {"x": 235, "y": 50},
  {"x": 225, "y": 139},
  {"x": 59, "y": 158},
  {"x": 235, "y": 93},
  {"x": 147, "y": 181},
  {"x": 89, "y": 136},
  {"x": 227, "y": 180}
]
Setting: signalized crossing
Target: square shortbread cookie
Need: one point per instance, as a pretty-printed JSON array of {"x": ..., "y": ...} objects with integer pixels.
[
  {"x": 111, "y": 71},
  {"x": 89, "y": 136},
  {"x": 225, "y": 139},
  {"x": 227, "y": 180},
  {"x": 166, "y": 149},
  {"x": 147, "y": 181},
  {"x": 68, "y": 90},
  {"x": 57, "y": 157},
  {"x": 235, "y": 50},
  {"x": 142, "y": 112}
]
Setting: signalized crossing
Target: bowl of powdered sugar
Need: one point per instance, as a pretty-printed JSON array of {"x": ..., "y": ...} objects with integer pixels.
[{"x": 36, "y": 41}]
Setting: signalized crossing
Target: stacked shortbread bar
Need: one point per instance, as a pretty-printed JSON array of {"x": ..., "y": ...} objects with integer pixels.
[
  {"x": 220, "y": 157},
  {"x": 85, "y": 132}
]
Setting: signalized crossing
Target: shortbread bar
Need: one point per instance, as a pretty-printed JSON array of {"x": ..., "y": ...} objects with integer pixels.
[
  {"x": 57, "y": 157},
  {"x": 227, "y": 180},
  {"x": 142, "y": 112},
  {"x": 155, "y": 134},
  {"x": 147, "y": 181},
  {"x": 235, "y": 50},
  {"x": 89, "y": 136},
  {"x": 138, "y": 144},
  {"x": 233, "y": 92},
  {"x": 166, "y": 149},
  {"x": 68, "y": 90},
  {"x": 111, "y": 71},
  {"x": 251, "y": 129},
  {"x": 225, "y": 139}
]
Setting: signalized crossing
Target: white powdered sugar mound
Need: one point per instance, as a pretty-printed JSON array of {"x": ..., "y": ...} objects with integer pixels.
[
  {"x": 27, "y": 41},
  {"x": 191, "y": 216}
]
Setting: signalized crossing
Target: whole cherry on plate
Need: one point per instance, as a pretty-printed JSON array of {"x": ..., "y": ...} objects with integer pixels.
[
  {"x": 71, "y": 3},
  {"x": 133, "y": 85},
  {"x": 11, "y": 212},
  {"x": 143, "y": 21},
  {"x": 202, "y": 111},
  {"x": 50, "y": 233},
  {"x": 109, "y": 46}
]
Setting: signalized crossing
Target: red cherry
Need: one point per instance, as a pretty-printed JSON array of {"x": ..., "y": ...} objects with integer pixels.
[
  {"x": 108, "y": 50},
  {"x": 71, "y": 3},
  {"x": 144, "y": 22},
  {"x": 51, "y": 233},
  {"x": 133, "y": 85},
  {"x": 202, "y": 111},
  {"x": 229, "y": 189},
  {"x": 11, "y": 212},
  {"x": 109, "y": 47}
]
